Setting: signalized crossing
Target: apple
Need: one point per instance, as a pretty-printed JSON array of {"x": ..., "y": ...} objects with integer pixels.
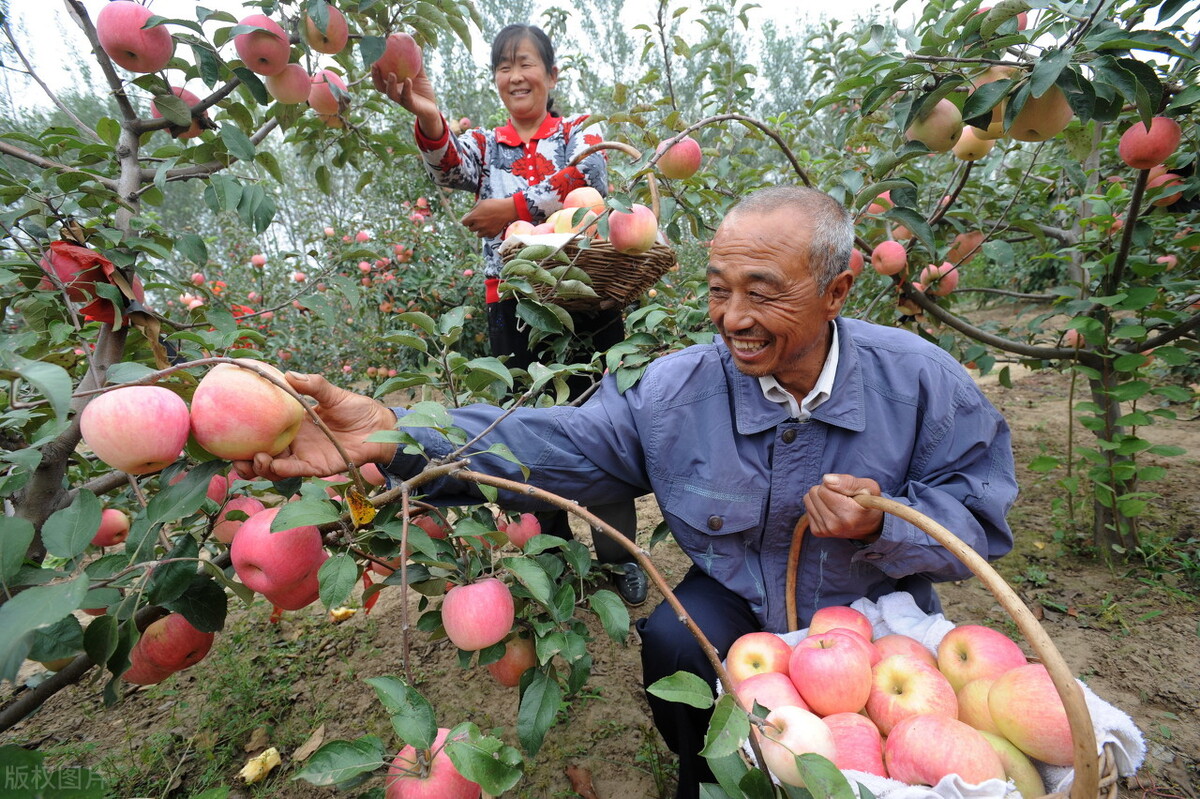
[
  {"x": 755, "y": 653},
  {"x": 585, "y": 197},
  {"x": 401, "y": 57},
  {"x": 922, "y": 749},
  {"x": 264, "y": 51},
  {"x": 321, "y": 97},
  {"x": 901, "y": 233},
  {"x": 172, "y": 643},
  {"x": 430, "y": 777},
  {"x": 858, "y": 743},
  {"x": 831, "y": 672},
  {"x": 236, "y": 412},
  {"x": 965, "y": 247},
  {"x": 142, "y": 672},
  {"x": 889, "y": 257},
  {"x": 856, "y": 262},
  {"x": 832, "y": 617},
  {"x": 225, "y": 528},
  {"x": 190, "y": 132},
  {"x": 333, "y": 39},
  {"x": 635, "y": 232},
  {"x": 880, "y": 204},
  {"x": 571, "y": 220},
  {"x": 897, "y": 644},
  {"x": 904, "y": 686},
  {"x": 973, "y": 705},
  {"x": 114, "y": 528},
  {"x": 681, "y": 160},
  {"x": 435, "y": 527},
  {"x": 1022, "y": 18},
  {"x": 518, "y": 228},
  {"x": 1029, "y": 712},
  {"x": 258, "y": 259},
  {"x": 939, "y": 128},
  {"x": 771, "y": 689},
  {"x": 281, "y": 566},
  {"x": 136, "y": 429},
  {"x": 995, "y": 128},
  {"x": 122, "y": 35},
  {"x": 290, "y": 85},
  {"x": 971, "y": 146},
  {"x": 1142, "y": 147},
  {"x": 1017, "y": 766},
  {"x": 542, "y": 229},
  {"x": 1042, "y": 117},
  {"x": 478, "y": 614},
  {"x": 1165, "y": 180},
  {"x": 971, "y": 651},
  {"x": 861, "y": 643},
  {"x": 940, "y": 280},
  {"x": 792, "y": 731},
  {"x": 520, "y": 531},
  {"x": 519, "y": 656},
  {"x": 372, "y": 474}
]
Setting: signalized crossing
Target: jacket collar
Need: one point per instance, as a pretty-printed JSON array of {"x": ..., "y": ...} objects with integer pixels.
[
  {"x": 507, "y": 134},
  {"x": 754, "y": 413}
]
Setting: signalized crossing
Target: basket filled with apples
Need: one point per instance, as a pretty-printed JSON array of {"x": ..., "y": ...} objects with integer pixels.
[
  {"x": 896, "y": 698},
  {"x": 566, "y": 260}
]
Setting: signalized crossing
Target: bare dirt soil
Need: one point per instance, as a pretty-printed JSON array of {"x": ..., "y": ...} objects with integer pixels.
[{"x": 1131, "y": 632}]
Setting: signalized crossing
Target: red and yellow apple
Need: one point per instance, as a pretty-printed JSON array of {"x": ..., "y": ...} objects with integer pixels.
[
  {"x": 265, "y": 51},
  {"x": 281, "y": 566},
  {"x": 434, "y": 777},
  {"x": 971, "y": 651},
  {"x": 1017, "y": 766},
  {"x": 136, "y": 429},
  {"x": 236, "y": 412},
  {"x": 519, "y": 656},
  {"x": 1042, "y": 117},
  {"x": 401, "y": 57},
  {"x": 771, "y": 689},
  {"x": 792, "y": 731},
  {"x": 755, "y": 653},
  {"x": 889, "y": 257},
  {"x": 521, "y": 530},
  {"x": 321, "y": 98},
  {"x": 973, "y": 705},
  {"x": 681, "y": 160},
  {"x": 858, "y": 743},
  {"x": 225, "y": 528},
  {"x": 971, "y": 146},
  {"x": 897, "y": 644},
  {"x": 1029, "y": 712},
  {"x": 832, "y": 617},
  {"x": 922, "y": 749},
  {"x": 114, "y": 528},
  {"x": 1142, "y": 147},
  {"x": 635, "y": 232},
  {"x": 168, "y": 645},
  {"x": 122, "y": 35},
  {"x": 333, "y": 39},
  {"x": 831, "y": 672},
  {"x": 939, "y": 128},
  {"x": 904, "y": 686},
  {"x": 478, "y": 614},
  {"x": 290, "y": 85}
]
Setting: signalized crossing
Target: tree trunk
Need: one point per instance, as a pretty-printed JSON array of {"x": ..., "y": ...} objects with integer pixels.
[{"x": 1112, "y": 531}]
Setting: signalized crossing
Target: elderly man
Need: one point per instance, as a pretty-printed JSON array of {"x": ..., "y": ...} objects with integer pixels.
[{"x": 793, "y": 409}]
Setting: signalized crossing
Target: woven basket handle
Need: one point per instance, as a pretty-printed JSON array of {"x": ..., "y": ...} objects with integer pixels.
[
  {"x": 632, "y": 152},
  {"x": 1087, "y": 767}
]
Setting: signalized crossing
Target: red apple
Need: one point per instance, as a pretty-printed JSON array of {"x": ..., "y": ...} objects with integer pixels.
[
  {"x": 1142, "y": 147},
  {"x": 904, "y": 686},
  {"x": 635, "y": 232},
  {"x": 971, "y": 651},
  {"x": 321, "y": 97},
  {"x": 435, "y": 527},
  {"x": 792, "y": 731},
  {"x": 136, "y": 429},
  {"x": 856, "y": 262},
  {"x": 191, "y": 132},
  {"x": 264, "y": 51},
  {"x": 120, "y": 29},
  {"x": 168, "y": 645},
  {"x": 479, "y": 614},
  {"x": 889, "y": 257},
  {"x": 520, "y": 531},
  {"x": 835, "y": 616},
  {"x": 1029, "y": 712},
  {"x": 333, "y": 39},
  {"x": 973, "y": 705},
  {"x": 965, "y": 247},
  {"x": 1042, "y": 117},
  {"x": 290, "y": 85},
  {"x": 831, "y": 672},
  {"x": 1166, "y": 180},
  {"x": 939, "y": 128},
  {"x": 585, "y": 197},
  {"x": 401, "y": 57},
  {"x": 681, "y": 160},
  {"x": 922, "y": 749},
  {"x": 371, "y": 474},
  {"x": 857, "y": 741},
  {"x": 771, "y": 689},
  {"x": 281, "y": 566},
  {"x": 237, "y": 413},
  {"x": 519, "y": 656},
  {"x": 1017, "y": 766},
  {"x": 437, "y": 779},
  {"x": 142, "y": 672},
  {"x": 225, "y": 528},
  {"x": 114, "y": 528},
  {"x": 542, "y": 229},
  {"x": 940, "y": 280},
  {"x": 755, "y": 653},
  {"x": 880, "y": 204},
  {"x": 897, "y": 644},
  {"x": 519, "y": 228}
]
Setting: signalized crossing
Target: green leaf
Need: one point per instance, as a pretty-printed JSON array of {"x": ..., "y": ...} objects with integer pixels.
[
  {"x": 532, "y": 576},
  {"x": 192, "y": 247},
  {"x": 253, "y": 84},
  {"x": 68, "y": 532},
  {"x": 203, "y": 603},
  {"x": 492, "y": 367},
  {"x": 174, "y": 110},
  {"x": 185, "y": 497},
  {"x": 1044, "y": 463},
  {"x": 613, "y": 614},
  {"x": 306, "y": 510},
  {"x": 100, "y": 638},
  {"x": 823, "y": 778},
  {"x": 539, "y": 706},
  {"x": 62, "y": 639},
  {"x": 483, "y": 759},
  {"x": 684, "y": 687},
  {"x": 169, "y": 580},
  {"x": 238, "y": 143},
  {"x": 412, "y": 716},
  {"x": 337, "y": 577},
  {"x": 16, "y": 534},
  {"x": 30, "y": 610},
  {"x": 728, "y": 729},
  {"x": 339, "y": 761},
  {"x": 916, "y": 223},
  {"x": 50, "y": 380},
  {"x": 370, "y": 48},
  {"x": 1046, "y": 71}
]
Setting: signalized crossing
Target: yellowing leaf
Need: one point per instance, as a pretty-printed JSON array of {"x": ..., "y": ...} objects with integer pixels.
[
  {"x": 361, "y": 510},
  {"x": 260, "y": 766},
  {"x": 1039, "y": 544}
]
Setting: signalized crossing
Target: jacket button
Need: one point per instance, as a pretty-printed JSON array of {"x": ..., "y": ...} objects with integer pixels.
[
  {"x": 789, "y": 436},
  {"x": 714, "y": 522}
]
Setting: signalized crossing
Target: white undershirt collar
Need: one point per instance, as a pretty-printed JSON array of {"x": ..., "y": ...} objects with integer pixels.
[{"x": 821, "y": 390}]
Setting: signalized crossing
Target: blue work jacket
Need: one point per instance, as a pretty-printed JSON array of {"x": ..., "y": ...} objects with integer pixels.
[{"x": 730, "y": 469}]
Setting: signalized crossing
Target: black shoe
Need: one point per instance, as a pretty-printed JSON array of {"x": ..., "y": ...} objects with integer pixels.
[{"x": 631, "y": 583}]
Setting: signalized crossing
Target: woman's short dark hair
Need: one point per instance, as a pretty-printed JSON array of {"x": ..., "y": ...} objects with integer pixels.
[{"x": 509, "y": 40}]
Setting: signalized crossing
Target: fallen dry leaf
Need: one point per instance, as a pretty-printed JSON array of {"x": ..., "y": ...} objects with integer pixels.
[
  {"x": 259, "y": 766},
  {"x": 259, "y": 739},
  {"x": 311, "y": 745},
  {"x": 581, "y": 782}
]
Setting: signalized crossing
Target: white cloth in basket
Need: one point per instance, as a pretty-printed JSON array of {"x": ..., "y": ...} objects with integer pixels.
[{"x": 898, "y": 613}]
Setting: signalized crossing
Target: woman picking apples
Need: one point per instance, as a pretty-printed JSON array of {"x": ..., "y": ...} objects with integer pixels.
[{"x": 520, "y": 171}]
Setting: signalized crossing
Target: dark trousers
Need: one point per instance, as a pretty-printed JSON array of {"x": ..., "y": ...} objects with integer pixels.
[
  {"x": 595, "y": 331},
  {"x": 668, "y": 647}
]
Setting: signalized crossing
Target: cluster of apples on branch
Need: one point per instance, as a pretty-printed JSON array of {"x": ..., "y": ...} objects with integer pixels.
[{"x": 889, "y": 706}]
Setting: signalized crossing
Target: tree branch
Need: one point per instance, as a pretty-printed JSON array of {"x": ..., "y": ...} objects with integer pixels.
[
  {"x": 46, "y": 163},
  {"x": 91, "y": 134},
  {"x": 80, "y": 15},
  {"x": 206, "y": 169}
]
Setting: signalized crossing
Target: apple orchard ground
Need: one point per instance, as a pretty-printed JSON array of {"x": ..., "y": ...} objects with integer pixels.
[{"x": 1138, "y": 646}]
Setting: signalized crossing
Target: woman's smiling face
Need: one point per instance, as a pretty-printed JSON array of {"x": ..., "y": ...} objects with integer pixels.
[{"x": 524, "y": 83}]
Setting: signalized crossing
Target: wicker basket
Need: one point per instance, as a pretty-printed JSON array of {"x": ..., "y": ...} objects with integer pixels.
[
  {"x": 1095, "y": 775},
  {"x": 617, "y": 278}
]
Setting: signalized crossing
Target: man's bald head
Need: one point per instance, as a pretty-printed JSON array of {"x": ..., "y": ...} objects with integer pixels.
[{"x": 814, "y": 217}]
